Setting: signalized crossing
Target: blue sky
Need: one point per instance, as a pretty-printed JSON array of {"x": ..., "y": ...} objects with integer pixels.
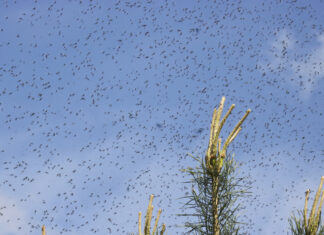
[{"x": 101, "y": 102}]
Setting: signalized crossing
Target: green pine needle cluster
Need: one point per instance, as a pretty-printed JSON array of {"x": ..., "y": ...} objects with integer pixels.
[
  {"x": 297, "y": 225},
  {"x": 231, "y": 188},
  {"x": 312, "y": 225}
]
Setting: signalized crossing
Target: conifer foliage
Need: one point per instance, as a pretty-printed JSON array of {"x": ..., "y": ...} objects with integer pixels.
[
  {"x": 217, "y": 186},
  {"x": 148, "y": 219},
  {"x": 312, "y": 225}
]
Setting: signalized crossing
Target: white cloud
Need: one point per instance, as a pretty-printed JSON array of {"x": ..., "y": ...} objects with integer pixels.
[
  {"x": 12, "y": 216},
  {"x": 302, "y": 66},
  {"x": 311, "y": 68}
]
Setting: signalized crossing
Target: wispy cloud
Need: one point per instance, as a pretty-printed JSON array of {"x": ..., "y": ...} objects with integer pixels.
[
  {"x": 12, "y": 216},
  {"x": 302, "y": 64},
  {"x": 311, "y": 68}
]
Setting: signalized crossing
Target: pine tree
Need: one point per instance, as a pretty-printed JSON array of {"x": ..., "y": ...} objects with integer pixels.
[
  {"x": 311, "y": 226},
  {"x": 217, "y": 187},
  {"x": 148, "y": 219}
]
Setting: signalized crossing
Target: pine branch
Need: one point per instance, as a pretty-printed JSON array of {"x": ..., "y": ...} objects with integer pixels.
[
  {"x": 231, "y": 188},
  {"x": 148, "y": 219},
  {"x": 43, "y": 230},
  {"x": 311, "y": 226}
]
